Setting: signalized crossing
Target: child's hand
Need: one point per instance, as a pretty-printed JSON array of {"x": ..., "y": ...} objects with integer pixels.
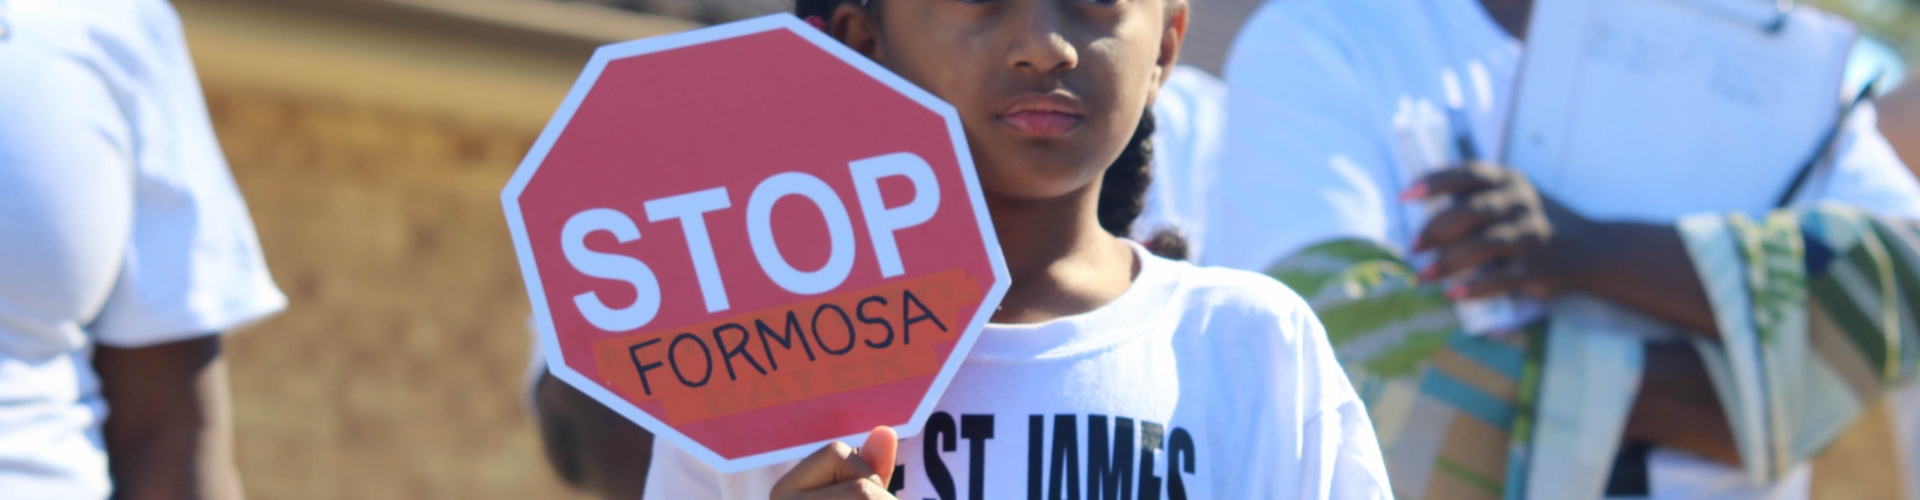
[{"x": 838, "y": 472}]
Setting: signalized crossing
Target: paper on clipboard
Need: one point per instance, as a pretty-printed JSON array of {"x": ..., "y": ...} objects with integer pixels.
[{"x": 1681, "y": 96}]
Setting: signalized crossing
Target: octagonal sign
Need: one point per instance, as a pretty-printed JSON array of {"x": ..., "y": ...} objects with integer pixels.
[{"x": 751, "y": 240}]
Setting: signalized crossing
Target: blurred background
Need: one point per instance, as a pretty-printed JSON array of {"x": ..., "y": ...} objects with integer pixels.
[{"x": 372, "y": 138}]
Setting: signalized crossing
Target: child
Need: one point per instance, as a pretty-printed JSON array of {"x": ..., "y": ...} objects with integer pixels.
[{"x": 1108, "y": 372}]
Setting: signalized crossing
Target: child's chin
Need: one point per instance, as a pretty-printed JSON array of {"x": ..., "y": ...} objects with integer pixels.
[{"x": 1035, "y": 179}]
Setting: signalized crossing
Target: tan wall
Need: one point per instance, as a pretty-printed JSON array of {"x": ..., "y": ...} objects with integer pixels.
[
  {"x": 372, "y": 145},
  {"x": 393, "y": 374}
]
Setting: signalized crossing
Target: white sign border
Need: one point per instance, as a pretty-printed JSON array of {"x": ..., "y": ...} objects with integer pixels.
[{"x": 543, "y": 319}]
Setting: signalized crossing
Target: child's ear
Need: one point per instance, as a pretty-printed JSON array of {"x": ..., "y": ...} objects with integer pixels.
[
  {"x": 858, "y": 28},
  {"x": 1174, "y": 36}
]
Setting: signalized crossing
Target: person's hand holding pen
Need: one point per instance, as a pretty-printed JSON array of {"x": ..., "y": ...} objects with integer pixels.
[
  {"x": 1498, "y": 234},
  {"x": 1502, "y": 236}
]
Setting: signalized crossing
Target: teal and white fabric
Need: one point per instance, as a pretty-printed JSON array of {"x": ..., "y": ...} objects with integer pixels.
[
  {"x": 1816, "y": 310},
  {"x": 1453, "y": 411}
]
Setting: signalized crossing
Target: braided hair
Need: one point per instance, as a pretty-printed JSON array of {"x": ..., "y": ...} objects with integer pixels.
[
  {"x": 1123, "y": 189},
  {"x": 1123, "y": 194}
]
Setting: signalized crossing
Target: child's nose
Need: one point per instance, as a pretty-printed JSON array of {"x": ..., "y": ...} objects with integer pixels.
[{"x": 1041, "y": 46}]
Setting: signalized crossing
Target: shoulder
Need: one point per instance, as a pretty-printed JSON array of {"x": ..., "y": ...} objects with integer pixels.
[
  {"x": 136, "y": 48},
  {"x": 1260, "y": 336},
  {"x": 1232, "y": 299}
]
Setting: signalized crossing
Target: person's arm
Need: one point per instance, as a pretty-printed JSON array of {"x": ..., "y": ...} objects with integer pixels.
[
  {"x": 1509, "y": 238},
  {"x": 592, "y": 448},
  {"x": 1646, "y": 267},
  {"x": 169, "y": 431},
  {"x": 1678, "y": 408}
]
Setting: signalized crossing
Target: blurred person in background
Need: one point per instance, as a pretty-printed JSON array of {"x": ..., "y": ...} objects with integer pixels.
[
  {"x": 125, "y": 249},
  {"x": 1312, "y": 189}
]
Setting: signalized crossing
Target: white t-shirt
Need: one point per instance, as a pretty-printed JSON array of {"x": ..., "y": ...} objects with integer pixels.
[
  {"x": 1314, "y": 86},
  {"x": 119, "y": 224},
  {"x": 1197, "y": 383}
]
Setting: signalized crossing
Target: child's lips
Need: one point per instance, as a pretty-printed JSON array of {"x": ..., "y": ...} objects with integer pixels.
[
  {"x": 1042, "y": 123},
  {"x": 1051, "y": 114}
]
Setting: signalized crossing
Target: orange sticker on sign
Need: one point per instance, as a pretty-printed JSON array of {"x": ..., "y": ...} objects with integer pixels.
[{"x": 800, "y": 351}]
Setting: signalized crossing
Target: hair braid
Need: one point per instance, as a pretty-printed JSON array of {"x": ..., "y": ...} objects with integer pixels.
[{"x": 1123, "y": 193}]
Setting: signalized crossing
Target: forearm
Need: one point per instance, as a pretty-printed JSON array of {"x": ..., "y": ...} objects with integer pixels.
[
  {"x": 1678, "y": 408},
  {"x": 169, "y": 427},
  {"x": 1644, "y": 267}
]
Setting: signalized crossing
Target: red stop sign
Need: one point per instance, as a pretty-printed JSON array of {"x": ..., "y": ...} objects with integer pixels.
[{"x": 751, "y": 240}]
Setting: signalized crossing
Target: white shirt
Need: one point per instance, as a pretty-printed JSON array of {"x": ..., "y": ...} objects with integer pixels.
[
  {"x": 1197, "y": 383},
  {"x": 119, "y": 224},
  {"x": 1314, "y": 86}
]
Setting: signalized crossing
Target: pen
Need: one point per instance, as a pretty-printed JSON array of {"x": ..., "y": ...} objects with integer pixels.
[
  {"x": 1462, "y": 139},
  {"x": 1825, "y": 148}
]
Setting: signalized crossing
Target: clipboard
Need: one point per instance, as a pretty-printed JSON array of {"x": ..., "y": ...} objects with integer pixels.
[{"x": 1686, "y": 97}]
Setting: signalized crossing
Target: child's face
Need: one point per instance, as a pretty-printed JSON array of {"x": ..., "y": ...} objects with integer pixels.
[{"x": 1050, "y": 91}]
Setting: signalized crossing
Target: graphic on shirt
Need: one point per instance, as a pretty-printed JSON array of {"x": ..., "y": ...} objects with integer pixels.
[
  {"x": 1067, "y": 457},
  {"x": 717, "y": 248}
]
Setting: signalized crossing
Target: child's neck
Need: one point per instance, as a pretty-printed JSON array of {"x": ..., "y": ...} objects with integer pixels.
[{"x": 1061, "y": 261}]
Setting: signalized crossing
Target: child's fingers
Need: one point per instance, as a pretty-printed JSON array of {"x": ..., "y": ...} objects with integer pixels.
[
  {"x": 881, "y": 449},
  {"x": 833, "y": 464}
]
